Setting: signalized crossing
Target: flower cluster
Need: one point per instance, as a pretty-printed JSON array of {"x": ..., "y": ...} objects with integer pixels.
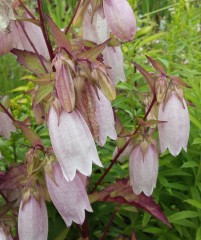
[{"x": 74, "y": 86}]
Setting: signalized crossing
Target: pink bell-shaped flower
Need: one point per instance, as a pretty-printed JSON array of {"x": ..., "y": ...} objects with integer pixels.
[
  {"x": 143, "y": 169},
  {"x": 6, "y": 125},
  {"x": 120, "y": 18},
  {"x": 70, "y": 198},
  {"x": 33, "y": 220},
  {"x": 113, "y": 57},
  {"x": 72, "y": 143},
  {"x": 174, "y": 133},
  {"x": 105, "y": 118}
]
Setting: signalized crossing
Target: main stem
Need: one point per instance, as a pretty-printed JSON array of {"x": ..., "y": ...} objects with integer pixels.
[
  {"x": 74, "y": 15},
  {"x": 44, "y": 30}
]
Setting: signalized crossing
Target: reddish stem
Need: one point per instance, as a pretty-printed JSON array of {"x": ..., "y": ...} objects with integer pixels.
[
  {"x": 121, "y": 150},
  {"x": 85, "y": 229},
  {"x": 44, "y": 30},
  {"x": 108, "y": 225},
  {"x": 74, "y": 15},
  {"x": 7, "y": 112},
  {"x": 34, "y": 48}
]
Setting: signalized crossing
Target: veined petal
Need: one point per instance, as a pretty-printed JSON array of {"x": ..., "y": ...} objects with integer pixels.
[
  {"x": 33, "y": 220},
  {"x": 96, "y": 30},
  {"x": 113, "y": 57},
  {"x": 70, "y": 198},
  {"x": 174, "y": 133},
  {"x": 105, "y": 118},
  {"x": 73, "y": 143},
  {"x": 143, "y": 170},
  {"x": 34, "y": 33},
  {"x": 120, "y": 18}
]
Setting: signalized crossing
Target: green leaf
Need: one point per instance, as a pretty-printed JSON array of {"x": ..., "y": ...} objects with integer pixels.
[{"x": 193, "y": 203}]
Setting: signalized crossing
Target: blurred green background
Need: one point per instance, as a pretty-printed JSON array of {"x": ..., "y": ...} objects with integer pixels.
[{"x": 170, "y": 32}]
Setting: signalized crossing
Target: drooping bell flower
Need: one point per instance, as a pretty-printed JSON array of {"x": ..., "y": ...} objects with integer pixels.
[
  {"x": 70, "y": 198},
  {"x": 6, "y": 125},
  {"x": 174, "y": 132},
  {"x": 120, "y": 18},
  {"x": 105, "y": 118},
  {"x": 113, "y": 57},
  {"x": 98, "y": 114},
  {"x": 64, "y": 83},
  {"x": 143, "y": 167},
  {"x": 33, "y": 220},
  {"x": 96, "y": 29},
  {"x": 72, "y": 143}
]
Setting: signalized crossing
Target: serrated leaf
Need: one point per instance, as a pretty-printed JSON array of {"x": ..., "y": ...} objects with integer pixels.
[
  {"x": 31, "y": 61},
  {"x": 94, "y": 52},
  {"x": 122, "y": 193},
  {"x": 147, "y": 77},
  {"x": 156, "y": 65},
  {"x": 42, "y": 92},
  {"x": 59, "y": 37}
]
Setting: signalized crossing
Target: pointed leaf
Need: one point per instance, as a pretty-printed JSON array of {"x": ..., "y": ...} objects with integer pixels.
[
  {"x": 42, "y": 92},
  {"x": 93, "y": 53},
  {"x": 147, "y": 76},
  {"x": 156, "y": 65},
  {"x": 121, "y": 192},
  {"x": 179, "y": 81},
  {"x": 31, "y": 61},
  {"x": 59, "y": 37}
]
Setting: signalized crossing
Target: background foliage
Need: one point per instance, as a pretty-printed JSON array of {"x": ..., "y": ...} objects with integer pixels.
[{"x": 169, "y": 31}]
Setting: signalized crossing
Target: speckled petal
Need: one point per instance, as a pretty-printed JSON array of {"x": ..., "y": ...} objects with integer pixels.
[
  {"x": 120, "y": 18},
  {"x": 143, "y": 172},
  {"x": 33, "y": 220},
  {"x": 113, "y": 57},
  {"x": 105, "y": 118},
  {"x": 174, "y": 133},
  {"x": 70, "y": 198},
  {"x": 72, "y": 143}
]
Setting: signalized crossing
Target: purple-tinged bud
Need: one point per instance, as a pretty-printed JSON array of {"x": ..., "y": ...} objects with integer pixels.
[
  {"x": 70, "y": 198},
  {"x": 72, "y": 143},
  {"x": 6, "y": 125},
  {"x": 120, "y": 18},
  {"x": 143, "y": 169},
  {"x": 33, "y": 220},
  {"x": 174, "y": 133},
  {"x": 113, "y": 57},
  {"x": 64, "y": 83}
]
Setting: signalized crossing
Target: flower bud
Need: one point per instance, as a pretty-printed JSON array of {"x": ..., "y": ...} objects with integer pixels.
[
  {"x": 120, "y": 18},
  {"x": 72, "y": 143},
  {"x": 33, "y": 220},
  {"x": 174, "y": 133},
  {"x": 143, "y": 169},
  {"x": 70, "y": 198},
  {"x": 64, "y": 84}
]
